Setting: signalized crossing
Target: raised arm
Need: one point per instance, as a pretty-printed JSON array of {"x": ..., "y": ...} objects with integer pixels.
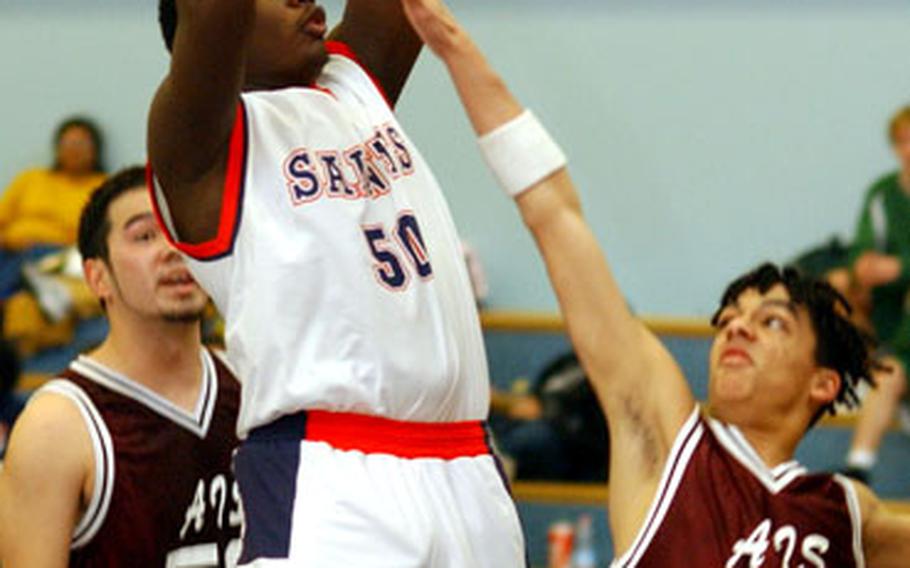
[
  {"x": 640, "y": 386},
  {"x": 622, "y": 357},
  {"x": 42, "y": 484},
  {"x": 379, "y": 33},
  {"x": 193, "y": 112}
]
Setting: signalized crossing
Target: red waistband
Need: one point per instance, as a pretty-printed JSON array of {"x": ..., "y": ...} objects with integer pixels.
[{"x": 375, "y": 435}]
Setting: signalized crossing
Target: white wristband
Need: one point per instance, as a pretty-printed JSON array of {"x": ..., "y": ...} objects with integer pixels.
[{"x": 521, "y": 153}]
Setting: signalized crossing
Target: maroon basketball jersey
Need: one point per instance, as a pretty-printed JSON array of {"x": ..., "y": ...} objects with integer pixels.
[
  {"x": 164, "y": 493},
  {"x": 719, "y": 505}
]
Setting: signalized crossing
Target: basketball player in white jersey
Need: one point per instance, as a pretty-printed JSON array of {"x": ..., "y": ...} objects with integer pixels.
[
  {"x": 125, "y": 458},
  {"x": 280, "y": 170},
  {"x": 686, "y": 489}
]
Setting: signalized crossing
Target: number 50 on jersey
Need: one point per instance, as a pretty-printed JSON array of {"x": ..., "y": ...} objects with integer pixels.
[{"x": 398, "y": 252}]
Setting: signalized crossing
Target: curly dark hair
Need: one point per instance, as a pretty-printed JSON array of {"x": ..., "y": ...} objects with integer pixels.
[
  {"x": 840, "y": 345},
  {"x": 167, "y": 19}
]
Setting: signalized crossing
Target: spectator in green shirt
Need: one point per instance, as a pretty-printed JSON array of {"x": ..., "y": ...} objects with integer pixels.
[{"x": 880, "y": 272}]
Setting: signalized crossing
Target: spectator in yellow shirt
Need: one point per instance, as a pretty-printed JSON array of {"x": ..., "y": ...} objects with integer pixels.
[{"x": 39, "y": 211}]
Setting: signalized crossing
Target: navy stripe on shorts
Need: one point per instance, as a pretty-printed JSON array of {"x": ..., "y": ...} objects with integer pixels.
[{"x": 266, "y": 466}]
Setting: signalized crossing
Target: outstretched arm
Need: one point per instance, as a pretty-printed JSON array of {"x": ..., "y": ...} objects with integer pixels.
[
  {"x": 383, "y": 39},
  {"x": 640, "y": 386},
  {"x": 193, "y": 112}
]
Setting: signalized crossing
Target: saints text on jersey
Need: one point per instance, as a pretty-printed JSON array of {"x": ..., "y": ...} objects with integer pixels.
[{"x": 363, "y": 171}]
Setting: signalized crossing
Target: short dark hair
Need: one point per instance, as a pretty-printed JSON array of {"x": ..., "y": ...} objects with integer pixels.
[
  {"x": 840, "y": 345},
  {"x": 94, "y": 132},
  {"x": 167, "y": 19},
  {"x": 94, "y": 223}
]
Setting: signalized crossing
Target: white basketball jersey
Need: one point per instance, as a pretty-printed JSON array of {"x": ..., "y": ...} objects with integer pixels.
[{"x": 337, "y": 266}]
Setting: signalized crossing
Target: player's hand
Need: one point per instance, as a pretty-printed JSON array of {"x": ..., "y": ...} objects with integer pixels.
[{"x": 434, "y": 23}]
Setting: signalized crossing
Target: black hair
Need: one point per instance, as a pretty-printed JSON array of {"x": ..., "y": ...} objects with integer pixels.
[
  {"x": 94, "y": 223},
  {"x": 840, "y": 345},
  {"x": 167, "y": 19},
  {"x": 94, "y": 132}
]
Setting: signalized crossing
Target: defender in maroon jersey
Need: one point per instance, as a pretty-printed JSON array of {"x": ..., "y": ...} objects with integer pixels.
[
  {"x": 690, "y": 487},
  {"x": 125, "y": 458}
]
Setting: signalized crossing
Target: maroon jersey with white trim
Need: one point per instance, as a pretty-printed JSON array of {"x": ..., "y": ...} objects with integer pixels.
[
  {"x": 164, "y": 492},
  {"x": 719, "y": 505}
]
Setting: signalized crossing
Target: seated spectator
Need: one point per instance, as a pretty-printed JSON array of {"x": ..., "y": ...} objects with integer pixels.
[
  {"x": 57, "y": 297},
  {"x": 39, "y": 211},
  {"x": 558, "y": 430},
  {"x": 880, "y": 274}
]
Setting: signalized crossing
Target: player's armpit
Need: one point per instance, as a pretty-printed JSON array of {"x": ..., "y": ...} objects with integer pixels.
[
  {"x": 645, "y": 428},
  {"x": 42, "y": 484},
  {"x": 382, "y": 38},
  {"x": 886, "y": 534}
]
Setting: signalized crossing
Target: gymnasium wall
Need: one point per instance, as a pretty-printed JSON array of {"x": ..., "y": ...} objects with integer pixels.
[{"x": 705, "y": 135}]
